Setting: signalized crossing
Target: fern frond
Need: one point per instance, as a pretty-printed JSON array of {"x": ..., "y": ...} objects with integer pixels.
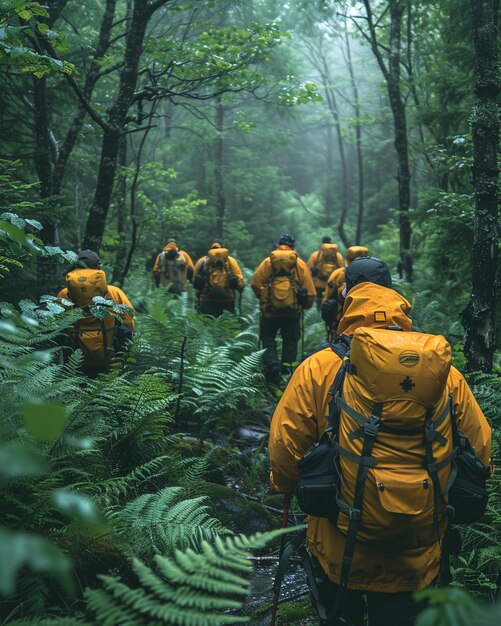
[
  {"x": 159, "y": 523},
  {"x": 191, "y": 588}
]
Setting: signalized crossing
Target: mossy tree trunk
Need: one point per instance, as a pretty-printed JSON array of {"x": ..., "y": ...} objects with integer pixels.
[{"x": 479, "y": 317}]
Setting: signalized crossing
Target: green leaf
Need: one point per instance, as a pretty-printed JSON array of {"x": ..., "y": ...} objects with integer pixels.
[
  {"x": 15, "y": 233},
  {"x": 45, "y": 421},
  {"x": 16, "y": 461},
  {"x": 77, "y": 506},
  {"x": 34, "y": 223},
  {"x": 20, "y": 549}
]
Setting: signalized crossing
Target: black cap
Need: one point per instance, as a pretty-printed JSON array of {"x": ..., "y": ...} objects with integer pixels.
[
  {"x": 367, "y": 269},
  {"x": 219, "y": 241},
  {"x": 90, "y": 258},
  {"x": 326, "y": 239},
  {"x": 287, "y": 240}
]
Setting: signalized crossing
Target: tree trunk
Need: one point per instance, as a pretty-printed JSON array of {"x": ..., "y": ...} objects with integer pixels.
[
  {"x": 90, "y": 82},
  {"x": 358, "y": 140},
  {"x": 219, "y": 169},
  {"x": 121, "y": 204},
  {"x": 44, "y": 158},
  {"x": 330, "y": 187},
  {"x": 334, "y": 110},
  {"x": 479, "y": 318},
  {"x": 391, "y": 74},
  {"x": 397, "y": 8},
  {"x": 116, "y": 119}
]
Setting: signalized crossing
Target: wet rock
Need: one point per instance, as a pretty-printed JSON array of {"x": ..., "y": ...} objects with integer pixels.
[
  {"x": 250, "y": 436},
  {"x": 234, "y": 511}
]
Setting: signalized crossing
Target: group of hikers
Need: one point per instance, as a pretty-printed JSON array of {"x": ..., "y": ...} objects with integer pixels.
[
  {"x": 283, "y": 283},
  {"x": 378, "y": 435}
]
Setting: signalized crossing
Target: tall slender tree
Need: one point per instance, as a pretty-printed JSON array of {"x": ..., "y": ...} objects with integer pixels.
[
  {"x": 391, "y": 70},
  {"x": 479, "y": 318}
]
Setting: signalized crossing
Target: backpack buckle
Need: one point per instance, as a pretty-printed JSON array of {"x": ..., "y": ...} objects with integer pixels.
[
  {"x": 354, "y": 514},
  {"x": 429, "y": 431},
  {"x": 371, "y": 426}
]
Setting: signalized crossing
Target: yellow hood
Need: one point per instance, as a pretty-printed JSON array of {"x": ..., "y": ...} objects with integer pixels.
[{"x": 371, "y": 305}]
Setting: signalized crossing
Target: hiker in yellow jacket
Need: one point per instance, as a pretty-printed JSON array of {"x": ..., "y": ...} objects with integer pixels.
[
  {"x": 387, "y": 575},
  {"x": 217, "y": 277},
  {"x": 321, "y": 265},
  {"x": 97, "y": 339},
  {"x": 284, "y": 287},
  {"x": 173, "y": 267},
  {"x": 333, "y": 299}
]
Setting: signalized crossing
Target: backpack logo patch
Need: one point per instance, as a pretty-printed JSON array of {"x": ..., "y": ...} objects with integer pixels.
[
  {"x": 380, "y": 316},
  {"x": 407, "y": 384},
  {"x": 408, "y": 358}
]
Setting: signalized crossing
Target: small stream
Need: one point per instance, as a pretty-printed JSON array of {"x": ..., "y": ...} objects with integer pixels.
[{"x": 294, "y": 586}]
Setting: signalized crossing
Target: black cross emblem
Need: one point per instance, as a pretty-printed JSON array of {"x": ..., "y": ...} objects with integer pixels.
[{"x": 407, "y": 383}]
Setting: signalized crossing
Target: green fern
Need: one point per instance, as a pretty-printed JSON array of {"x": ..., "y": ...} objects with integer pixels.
[
  {"x": 192, "y": 588},
  {"x": 161, "y": 522}
]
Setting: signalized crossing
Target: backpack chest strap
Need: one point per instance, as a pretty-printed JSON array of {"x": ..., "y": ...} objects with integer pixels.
[{"x": 362, "y": 420}]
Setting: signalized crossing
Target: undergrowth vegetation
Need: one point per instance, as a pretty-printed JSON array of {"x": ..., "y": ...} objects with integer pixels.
[{"x": 109, "y": 485}]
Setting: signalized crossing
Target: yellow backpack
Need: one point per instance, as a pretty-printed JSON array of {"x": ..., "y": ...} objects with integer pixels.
[
  {"x": 217, "y": 270},
  {"x": 92, "y": 335},
  {"x": 279, "y": 294},
  {"x": 326, "y": 261},
  {"x": 395, "y": 435},
  {"x": 173, "y": 270}
]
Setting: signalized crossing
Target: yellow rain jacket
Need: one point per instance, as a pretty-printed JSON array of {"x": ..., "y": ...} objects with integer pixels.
[
  {"x": 314, "y": 261},
  {"x": 188, "y": 261},
  {"x": 118, "y": 297},
  {"x": 336, "y": 281},
  {"x": 233, "y": 268},
  {"x": 264, "y": 272},
  {"x": 300, "y": 419}
]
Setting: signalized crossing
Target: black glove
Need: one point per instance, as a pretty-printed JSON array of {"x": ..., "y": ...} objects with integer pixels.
[
  {"x": 314, "y": 272},
  {"x": 302, "y": 297},
  {"x": 199, "y": 281},
  {"x": 329, "y": 310},
  {"x": 233, "y": 282}
]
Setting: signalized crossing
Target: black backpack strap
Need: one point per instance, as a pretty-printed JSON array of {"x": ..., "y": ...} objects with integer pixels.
[
  {"x": 335, "y": 393},
  {"x": 433, "y": 467},
  {"x": 355, "y": 512},
  {"x": 341, "y": 345}
]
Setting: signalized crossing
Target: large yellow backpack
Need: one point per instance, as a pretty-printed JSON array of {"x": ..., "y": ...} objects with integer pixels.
[
  {"x": 173, "y": 270},
  {"x": 279, "y": 294},
  {"x": 217, "y": 270},
  {"x": 327, "y": 260},
  {"x": 395, "y": 435},
  {"x": 92, "y": 335}
]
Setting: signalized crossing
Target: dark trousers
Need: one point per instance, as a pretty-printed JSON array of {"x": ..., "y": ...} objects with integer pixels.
[
  {"x": 383, "y": 609},
  {"x": 290, "y": 332},
  {"x": 216, "y": 309},
  {"x": 319, "y": 296}
]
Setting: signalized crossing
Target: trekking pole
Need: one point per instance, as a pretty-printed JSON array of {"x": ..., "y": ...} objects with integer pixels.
[
  {"x": 302, "y": 334},
  {"x": 278, "y": 580}
]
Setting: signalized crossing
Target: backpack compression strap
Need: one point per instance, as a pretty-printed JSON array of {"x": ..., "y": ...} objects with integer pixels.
[{"x": 364, "y": 461}]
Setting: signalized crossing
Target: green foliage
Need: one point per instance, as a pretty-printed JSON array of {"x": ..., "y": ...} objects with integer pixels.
[
  {"x": 454, "y": 607},
  {"x": 221, "y": 368},
  {"x": 188, "y": 589},
  {"x": 161, "y": 522},
  {"x": 22, "y": 23}
]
